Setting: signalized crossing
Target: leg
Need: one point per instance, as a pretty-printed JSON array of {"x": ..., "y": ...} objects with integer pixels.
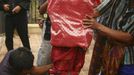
[
  {"x": 2, "y": 22},
  {"x": 79, "y": 59},
  {"x": 66, "y": 60},
  {"x": 44, "y": 52},
  {"x": 22, "y": 29},
  {"x": 9, "y": 30}
]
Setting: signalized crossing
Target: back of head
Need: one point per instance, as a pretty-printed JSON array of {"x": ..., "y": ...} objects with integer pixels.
[{"x": 21, "y": 58}]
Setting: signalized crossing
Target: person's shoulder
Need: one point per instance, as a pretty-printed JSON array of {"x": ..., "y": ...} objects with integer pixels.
[
  {"x": 6, "y": 57},
  {"x": 4, "y": 65}
]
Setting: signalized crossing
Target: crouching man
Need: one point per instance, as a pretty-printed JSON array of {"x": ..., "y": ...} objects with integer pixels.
[{"x": 20, "y": 62}]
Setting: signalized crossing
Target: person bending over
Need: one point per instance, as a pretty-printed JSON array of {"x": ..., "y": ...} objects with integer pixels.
[{"x": 20, "y": 62}]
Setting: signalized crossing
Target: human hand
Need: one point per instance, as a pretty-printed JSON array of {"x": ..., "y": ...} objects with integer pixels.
[
  {"x": 90, "y": 22},
  {"x": 96, "y": 13},
  {"x": 40, "y": 70},
  {"x": 6, "y": 7},
  {"x": 16, "y": 9},
  {"x": 50, "y": 65}
]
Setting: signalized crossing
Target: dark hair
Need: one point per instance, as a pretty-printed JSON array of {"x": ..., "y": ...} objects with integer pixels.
[{"x": 21, "y": 58}]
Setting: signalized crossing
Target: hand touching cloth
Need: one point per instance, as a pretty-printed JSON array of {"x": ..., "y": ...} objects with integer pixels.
[
  {"x": 90, "y": 22},
  {"x": 67, "y": 22}
]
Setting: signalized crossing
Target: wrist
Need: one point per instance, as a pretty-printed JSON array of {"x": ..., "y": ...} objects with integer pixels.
[
  {"x": 97, "y": 26},
  {"x": 100, "y": 27},
  {"x": 50, "y": 66}
]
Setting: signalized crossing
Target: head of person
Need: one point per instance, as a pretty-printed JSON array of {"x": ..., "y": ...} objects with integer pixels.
[{"x": 21, "y": 60}]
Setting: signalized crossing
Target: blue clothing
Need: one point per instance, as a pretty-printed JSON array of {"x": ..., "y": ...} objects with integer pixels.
[
  {"x": 5, "y": 67},
  {"x": 126, "y": 70}
]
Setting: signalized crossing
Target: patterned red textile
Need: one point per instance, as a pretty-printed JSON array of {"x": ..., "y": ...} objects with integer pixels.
[
  {"x": 66, "y": 18},
  {"x": 67, "y": 60},
  {"x": 69, "y": 38},
  {"x": 96, "y": 2}
]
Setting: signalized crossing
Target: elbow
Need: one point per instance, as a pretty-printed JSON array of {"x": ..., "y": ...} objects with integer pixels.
[
  {"x": 129, "y": 41},
  {"x": 42, "y": 11}
]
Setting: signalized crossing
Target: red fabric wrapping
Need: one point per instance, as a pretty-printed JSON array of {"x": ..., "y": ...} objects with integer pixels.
[
  {"x": 67, "y": 28},
  {"x": 96, "y": 2},
  {"x": 67, "y": 60}
]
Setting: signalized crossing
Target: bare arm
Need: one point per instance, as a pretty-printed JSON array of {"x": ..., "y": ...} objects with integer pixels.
[
  {"x": 114, "y": 34},
  {"x": 43, "y": 8},
  {"x": 41, "y": 70}
]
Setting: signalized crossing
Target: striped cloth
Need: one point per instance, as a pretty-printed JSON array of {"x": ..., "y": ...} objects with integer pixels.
[
  {"x": 117, "y": 9},
  {"x": 115, "y": 15},
  {"x": 128, "y": 26}
]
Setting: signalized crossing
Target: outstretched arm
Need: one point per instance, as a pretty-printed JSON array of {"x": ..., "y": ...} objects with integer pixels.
[{"x": 40, "y": 70}]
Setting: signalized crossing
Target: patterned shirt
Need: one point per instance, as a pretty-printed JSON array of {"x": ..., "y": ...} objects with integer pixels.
[{"x": 116, "y": 10}]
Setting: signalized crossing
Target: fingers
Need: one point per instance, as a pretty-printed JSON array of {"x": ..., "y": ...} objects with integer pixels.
[
  {"x": 87, "y": 22},
  {"x": 89, "y": 17},
  {"x": 87, "y": 27}
]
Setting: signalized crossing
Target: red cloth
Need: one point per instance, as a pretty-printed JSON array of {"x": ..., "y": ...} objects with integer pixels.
[
  {"x": 66, "y": 18},
  {"x": 67, "y": 60},
  {"x": 96, "y": 2},
  {"x": 69, "y": 38}
]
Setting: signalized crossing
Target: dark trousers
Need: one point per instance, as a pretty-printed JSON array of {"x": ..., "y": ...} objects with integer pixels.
[
  {"x": 18, "y": 22},
  {"x": 2, "y": 22}
]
